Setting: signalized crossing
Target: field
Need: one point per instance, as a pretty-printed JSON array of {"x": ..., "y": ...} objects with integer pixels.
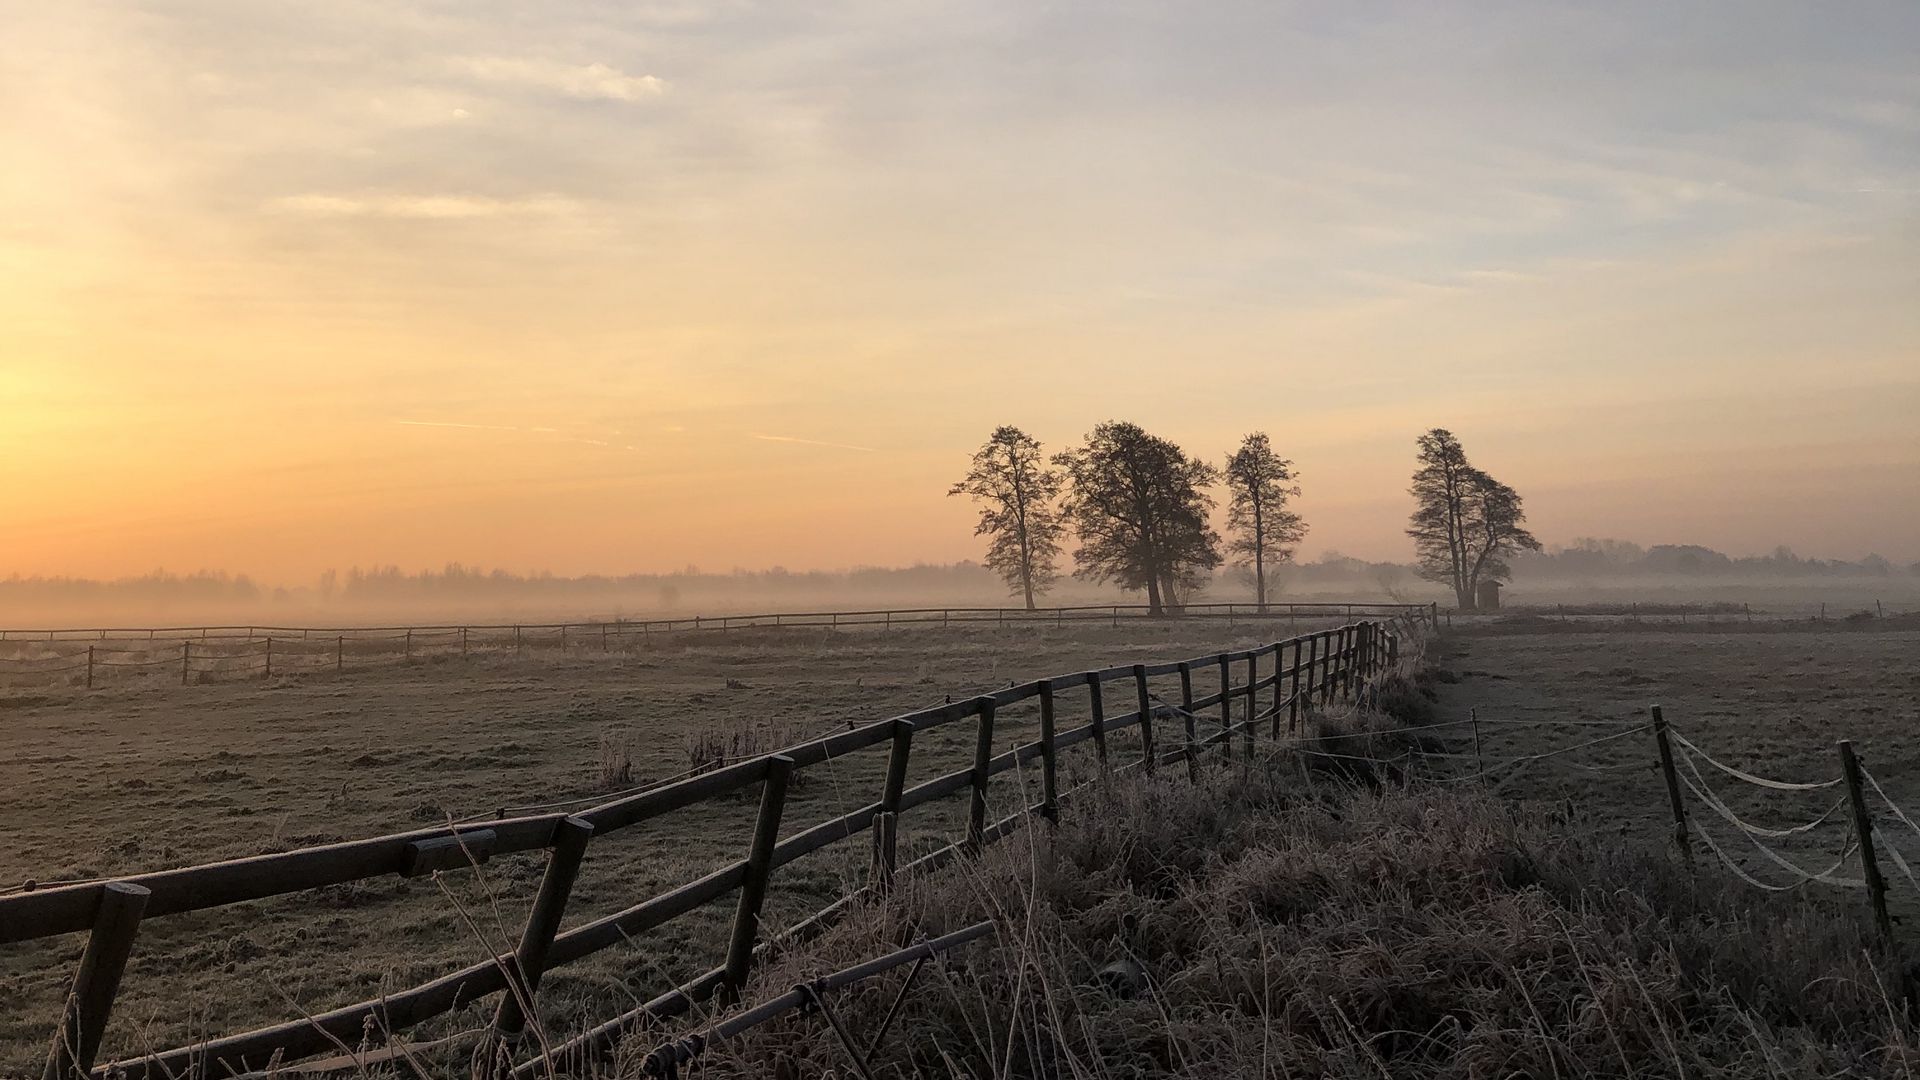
[
  {"x": 144, "y": 778},
  {"x": 117, "y": 782}
]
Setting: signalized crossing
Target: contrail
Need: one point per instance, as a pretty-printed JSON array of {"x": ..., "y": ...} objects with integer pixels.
[
  {"x": 447, "y": 423},
  {"x": 815, "y": 442}
]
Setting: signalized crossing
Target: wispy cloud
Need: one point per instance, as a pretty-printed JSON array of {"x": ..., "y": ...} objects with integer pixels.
[
  {"x": 588, "y": 82},
  {"x": 451, "y": 424},
  {"x": 428, "y": 207},
  {"x": 814, "y": 442}
]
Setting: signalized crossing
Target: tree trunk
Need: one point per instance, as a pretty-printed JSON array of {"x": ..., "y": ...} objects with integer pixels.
[
  {"x": 1153, "y": 595},
  {"x": 1259, "y": 556},
  {"x": 1464, "y": 594},
  {"x": 1027, "y": 580}
]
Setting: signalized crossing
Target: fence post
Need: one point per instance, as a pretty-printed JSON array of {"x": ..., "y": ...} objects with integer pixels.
[
  {"x": 543, "y": 922},
  {"x": 89, "y": 667},
  {"x": 886, "y": 837},
  {"x": 340, "y": 653},
  {"x": 98, "y": 980},
  {"x": 1293, "y": 693},
  {"x": 1226, "y": 705},
  {"x": 269, "y": 671},
  {"x": 186, "y": 659},
  {"x": 1146, "y": 713},
  {"x": 518, "y": 645},
  {"x": 982, "y": 756},
  {"x": 1099, "y": 707},
  {"x": 1673, "y": 784},
  {"x": 409, "y": 646},
  {"x": 1253, "y": 700},
  {"x": 1473, "y": 717},
  {"x": 463, "y": 641},
  {"x": 1863, "y": 829},
  {"x": 753, "y": 889},
  {"x": 1186, "y": 720},
  {"x": 1049, "y": 756}
]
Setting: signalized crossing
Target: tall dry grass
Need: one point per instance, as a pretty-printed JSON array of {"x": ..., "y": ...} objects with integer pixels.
[{"x": 1273, "y": 921}]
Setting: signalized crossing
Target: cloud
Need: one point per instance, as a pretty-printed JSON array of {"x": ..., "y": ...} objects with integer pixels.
[
  {"x": 588, "y": 82},
  {"x": 814, "y": 442},
  {"x": 425, "y": 207}
]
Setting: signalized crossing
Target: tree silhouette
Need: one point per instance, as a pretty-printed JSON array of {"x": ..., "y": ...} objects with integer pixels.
[
  {"x": 1465, "y": 523},
  {"x": 1011, "y": 478},
  {"x": 1260, "y": 482},
  {"x": 1140, "y": 506}
]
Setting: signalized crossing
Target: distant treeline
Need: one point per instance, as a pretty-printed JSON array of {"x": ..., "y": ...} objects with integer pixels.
[
  {"x": 457, "y": 588},
  {"x": 1588, "y": 557}
]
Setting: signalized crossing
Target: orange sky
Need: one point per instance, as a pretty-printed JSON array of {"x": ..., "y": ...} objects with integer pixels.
[{"x": 633, "y": 289}]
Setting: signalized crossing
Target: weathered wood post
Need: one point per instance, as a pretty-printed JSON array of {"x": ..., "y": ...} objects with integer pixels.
[
  {"x": 186, "y": 660},
  {"x": 409, "y": 646},
  {"x": 1186, "y": 720},
  {"x": 543, "y": 923},
  {"x": 1049, "y": 756},
  {"x": 1226, "y": 705},
  {"x": 886, "y": 837},
  {"x": 340, "y": 654},
  {"x": 753, "y": 888},
  {"x": 1146, "y": 713},
  {"x": 269, "y": 672},
  {"x": 463, "y": 642},
  {"x": 89, "y": 667},
  {"x": 1253, "y": 700},
  {"x": 982, "y": 758},
  {"x": 1674, "y": 800},
  {"x": 1863, "y": 831},
  {"x": 1098, "y": 706},
  {"x": 1293, "y": 693},
  {"x": 97, "y": 982}
]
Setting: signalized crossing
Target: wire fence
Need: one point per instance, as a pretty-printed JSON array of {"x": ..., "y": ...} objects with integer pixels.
[{"x": 88, "y": 658}]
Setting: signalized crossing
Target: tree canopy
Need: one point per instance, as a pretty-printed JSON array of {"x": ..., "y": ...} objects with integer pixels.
[
  {"x": 1139, "y": 505},
  {"x": 1265, "y": 528},
  {"x": 1465, "y": 523},
  {"x": 1016, "y": 488}
]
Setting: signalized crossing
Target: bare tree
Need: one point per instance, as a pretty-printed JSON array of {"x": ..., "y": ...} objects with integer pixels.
[
  {"x": 1140, "y": 506},
  {"x": 1260, "y": 482},
  {"x": 1010, "y": 477},
  {"x": 1465, "y": 523}
]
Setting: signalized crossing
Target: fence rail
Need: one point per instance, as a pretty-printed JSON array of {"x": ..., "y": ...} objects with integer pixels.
[
  {"x": 1328, "y": 665},
  {"x": 90, "y": 656}
]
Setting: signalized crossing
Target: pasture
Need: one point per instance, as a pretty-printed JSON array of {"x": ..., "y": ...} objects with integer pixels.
[{"x": 120, "y": 781}]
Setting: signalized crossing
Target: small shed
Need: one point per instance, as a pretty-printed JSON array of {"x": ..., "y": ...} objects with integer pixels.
[{"x": 1488, "y": 596}]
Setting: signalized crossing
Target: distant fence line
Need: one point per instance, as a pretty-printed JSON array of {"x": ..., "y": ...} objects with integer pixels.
[
  {"x": 1335, "y": 664},
  {"x": 88, "y": 656}
]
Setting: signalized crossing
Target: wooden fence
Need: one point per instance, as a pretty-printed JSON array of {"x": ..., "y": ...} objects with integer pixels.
[
  {"x": 1280, "y": 681},
  {"x": 89, "y": 657}
]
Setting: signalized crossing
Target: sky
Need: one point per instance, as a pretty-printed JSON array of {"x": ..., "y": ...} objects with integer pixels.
[{"x": 628, "y": 286}]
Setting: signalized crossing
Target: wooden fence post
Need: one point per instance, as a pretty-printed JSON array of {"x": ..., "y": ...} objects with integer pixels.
[
  {"x": 543, "y": 922},
  {"x": 1293, "y": 692},
  {"x": 1186, "y": 720},
  {"x": 753, "y": 889},
  {"x": 463, "y": 642},
  {"x": 1049, "y": 756},
  {"x": 409, "y": 653},
  {"x": 269, "y": 671},
  {"x": 186, "y": 660},
  {"x": 1098, "y": 705},
  {"x": 1279, "y": 673},
  {"x": 1253, "y": 700},
  {"x": 1146, "y": 713},
  {"x": 340, "y": 653},
  {"x": 1863, "y": 831},
  {"x": 1226, "y": 705},
  {"x": 1678, "y": 805},
  {"x": 98, "y": 981},
  {"x": 982, "y": 757},
  {"x": 886, "y": 838},
  {"x": 89, "y": 667}
]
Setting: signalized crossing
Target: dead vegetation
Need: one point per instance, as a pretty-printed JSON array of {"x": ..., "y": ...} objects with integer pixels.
[{"x": 1275, "y": 929}]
